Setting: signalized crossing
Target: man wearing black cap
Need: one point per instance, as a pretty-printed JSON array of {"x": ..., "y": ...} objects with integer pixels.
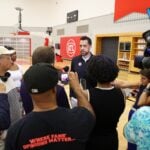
[{"x": 50, "y": 127}]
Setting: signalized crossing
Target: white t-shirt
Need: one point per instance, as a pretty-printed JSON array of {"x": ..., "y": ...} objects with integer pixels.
[{"x": 16, "y": 75}]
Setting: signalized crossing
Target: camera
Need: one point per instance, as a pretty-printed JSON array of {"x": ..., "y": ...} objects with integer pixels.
[{"x": 144, "y": 61}]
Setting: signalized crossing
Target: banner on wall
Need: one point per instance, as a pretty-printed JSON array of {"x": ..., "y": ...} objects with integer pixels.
[
  {"x": 69, "y": 47},
  {"x": 125, "y": 7}
]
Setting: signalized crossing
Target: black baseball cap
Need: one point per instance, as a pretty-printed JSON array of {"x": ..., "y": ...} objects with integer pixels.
[{"x": 40, "y": 78}]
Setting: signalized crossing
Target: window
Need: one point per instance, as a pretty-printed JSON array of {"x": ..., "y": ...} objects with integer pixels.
[
  {"x": 124, "y": 46},
  {"x": 57, "y": 46}
]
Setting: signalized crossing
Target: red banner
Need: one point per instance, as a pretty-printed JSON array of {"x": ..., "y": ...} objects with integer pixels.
[
  {"x": 69, "y": 47},
  {"x": 125, "y": 7}
]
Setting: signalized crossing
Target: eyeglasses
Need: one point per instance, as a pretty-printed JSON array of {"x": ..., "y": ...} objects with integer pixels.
[{"x": 5, "y": 77}]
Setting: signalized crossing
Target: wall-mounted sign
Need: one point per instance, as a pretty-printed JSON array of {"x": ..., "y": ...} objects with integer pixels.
[
  {"x": 72, "y": 16},
  {"x": 70, "y": 47}
]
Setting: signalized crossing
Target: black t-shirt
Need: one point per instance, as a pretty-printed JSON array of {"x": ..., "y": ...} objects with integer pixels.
[
  {"x": 61, "y": 97},
  {"x": 108, "y": 106},
  {"x": 61, "y": 128}
]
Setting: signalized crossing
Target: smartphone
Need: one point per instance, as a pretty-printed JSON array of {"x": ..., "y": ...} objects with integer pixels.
[
  {"x": 83, "y": 83},
  {"x": 64, "y": 78}
]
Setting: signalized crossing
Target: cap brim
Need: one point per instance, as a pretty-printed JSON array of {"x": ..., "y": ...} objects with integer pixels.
[{"x": 8, "y": 52}]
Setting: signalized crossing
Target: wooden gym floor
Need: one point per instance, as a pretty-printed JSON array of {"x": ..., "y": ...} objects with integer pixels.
[{"x": 123, "y": 75}]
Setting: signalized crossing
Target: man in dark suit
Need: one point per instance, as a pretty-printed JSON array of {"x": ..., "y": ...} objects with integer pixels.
[{"x": 80, "y": 63}]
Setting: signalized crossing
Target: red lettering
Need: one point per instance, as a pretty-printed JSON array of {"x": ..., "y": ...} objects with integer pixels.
[{"x": 44, "y": 140}]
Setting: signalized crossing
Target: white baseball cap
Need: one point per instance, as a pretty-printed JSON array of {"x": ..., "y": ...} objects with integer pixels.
[{"x": 5, "y": 51}]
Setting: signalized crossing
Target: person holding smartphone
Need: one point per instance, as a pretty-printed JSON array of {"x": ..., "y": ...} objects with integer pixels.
[{"x": 49, "y": 126}]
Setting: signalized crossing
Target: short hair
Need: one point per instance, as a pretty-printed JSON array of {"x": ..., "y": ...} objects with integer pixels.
[
  {"x": 43, "y": 54},
  {"x": 145, "y": 72},
  {"x": 9, "y": 47},
  {"x": 86, "y": 38},
  {"x": 102, "y": 69}
]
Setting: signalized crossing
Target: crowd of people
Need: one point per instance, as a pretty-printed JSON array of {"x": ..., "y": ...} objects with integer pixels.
[{"x": 50, "y": 122}]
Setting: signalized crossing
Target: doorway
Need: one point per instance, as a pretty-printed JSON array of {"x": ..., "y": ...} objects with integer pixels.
[{"x": 109, "y": 47}]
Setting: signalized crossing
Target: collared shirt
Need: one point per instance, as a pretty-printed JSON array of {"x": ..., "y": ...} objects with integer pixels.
[
  {"x": 79, "y": 65},
  {"x": 87, "y": 57}
]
